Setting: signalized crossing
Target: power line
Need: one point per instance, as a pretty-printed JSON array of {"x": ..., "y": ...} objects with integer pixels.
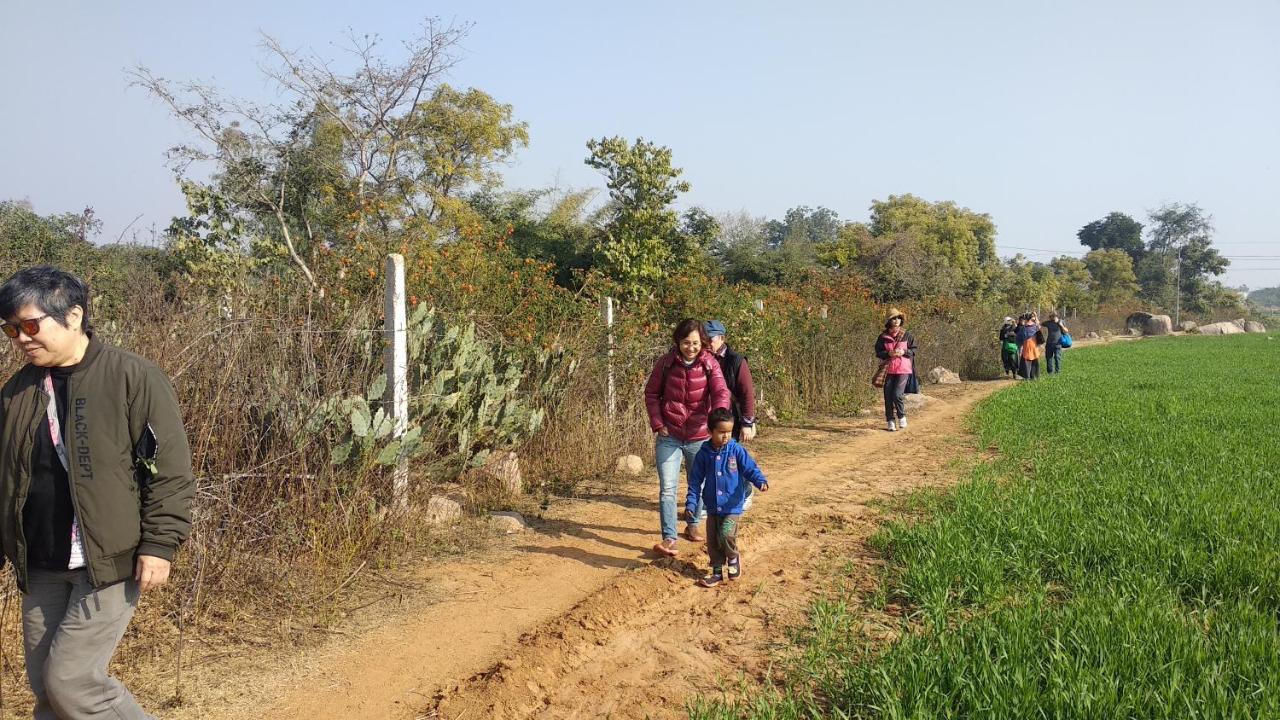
[{"x": 1085, "y": 252}]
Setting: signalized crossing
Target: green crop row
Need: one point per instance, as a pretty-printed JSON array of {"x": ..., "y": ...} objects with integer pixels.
[{"x": 1120, "y": 560}]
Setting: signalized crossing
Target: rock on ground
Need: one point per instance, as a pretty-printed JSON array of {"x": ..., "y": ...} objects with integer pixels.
[
  {"x": 943, "y": 376},
  {"x": 504, "y": 467},
  {"x": 1136, "y": 321},
  {"x": 442, "y": 510},
  {"x": 1092, "y": 335},
  {"x": 915, "y": 401},
  {"x": 508, "y": 522},
  {"x": 1221, "y": 328},
  {"x": 1158, "y": 325},
  {"x": 630, "y": 465},
  {"x": 1188, "y": 326},
  {"x": 1254, "y": 327}
]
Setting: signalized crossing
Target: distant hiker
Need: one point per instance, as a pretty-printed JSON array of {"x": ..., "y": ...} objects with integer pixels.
[
  {"x": 896, "y": 348},
  {"x": 1030, "y": 339},
  {"x": 1054, "y": 329},
  {"x": 1008, "y": 339},
  {"x": 685, "y": 386},
  {"x": 737, "y": 377},
  {"x": 718, "y": 480},
  {"x": 95, "y": 491}
]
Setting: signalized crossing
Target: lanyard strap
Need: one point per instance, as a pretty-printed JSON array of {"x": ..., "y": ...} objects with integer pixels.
[{"x": 55, "y": 427}]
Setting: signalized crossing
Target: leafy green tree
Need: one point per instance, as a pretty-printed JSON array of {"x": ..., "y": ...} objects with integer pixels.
[
  {"x": 1116, "y": 231},
  {"x": 454, "y": 142},
  {"x": 66, "y": 240},
  {"x": 740, "y": 248},
  {"x": 1073, "y": 283},
  {"x": 1266, "y": 297},
  {"x": 842, "y": 252},
  {"x": 1180, "y": 258},
  {"x": 547, "y": 225},
  {"x": 898, "y": 267},
  {"x": 359, "y": 163},
  {"x": 1112, "y": 280},
  {"x": 641, "y": 236},
  {"x": 695, "y": 237},
  {"x": 963, "y": 239},
  {"x": 27, "y": 238}
]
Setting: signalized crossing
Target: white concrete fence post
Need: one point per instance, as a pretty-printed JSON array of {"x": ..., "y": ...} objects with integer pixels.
[
  {"x": 611, "y": 397},
  {"x": 759, "y": 304},
  {"x": 397, "y": 367}
]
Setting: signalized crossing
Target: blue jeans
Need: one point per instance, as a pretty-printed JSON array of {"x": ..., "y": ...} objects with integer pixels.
[
  {"x": 1053, "y": 359},
  {"x": 668, "y": 452}
]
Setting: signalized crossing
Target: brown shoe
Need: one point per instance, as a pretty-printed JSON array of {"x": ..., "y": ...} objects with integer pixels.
[
  {"x": 691, "y": 533},
  {"x": 666, "y": 547}
]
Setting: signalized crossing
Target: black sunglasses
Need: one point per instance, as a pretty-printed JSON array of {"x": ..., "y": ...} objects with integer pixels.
[{"x": 30, "y": 326}]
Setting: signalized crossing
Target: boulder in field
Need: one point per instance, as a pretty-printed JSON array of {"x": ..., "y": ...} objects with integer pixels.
[
  {"x": 915, "y": 401},
  {"x": 1187, "y": 326},
  {"x": 504, "y": 467},
  {"x": 1092, "y": 335},
  {"x": 1136, "y": 321},
  {"x": 1158, "y": 325},
  {"x": 1254, "y": 326},
  {"x": 1221, "y": 328},
  {"x": 943, "y": 376},
  {"x": 442, "y": 510},
  {"x": 508, "y": 522},
  {"x": 630, "y": 465}
]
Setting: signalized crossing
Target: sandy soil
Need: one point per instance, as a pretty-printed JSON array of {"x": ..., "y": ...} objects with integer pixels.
[{"x": 577, "y": 618}]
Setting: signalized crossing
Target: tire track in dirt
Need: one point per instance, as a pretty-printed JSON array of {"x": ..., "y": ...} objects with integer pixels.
[{"x": 579, "y": 620}]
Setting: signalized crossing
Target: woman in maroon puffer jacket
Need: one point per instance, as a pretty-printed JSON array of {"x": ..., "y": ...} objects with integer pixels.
[{"x": 685, "y": 386}]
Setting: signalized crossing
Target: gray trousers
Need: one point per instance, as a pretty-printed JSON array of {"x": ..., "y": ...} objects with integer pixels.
[{"x": 70, "y": 631}]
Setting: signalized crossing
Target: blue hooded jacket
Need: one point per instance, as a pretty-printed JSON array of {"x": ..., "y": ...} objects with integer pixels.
[{"x": 721, "y": 477}]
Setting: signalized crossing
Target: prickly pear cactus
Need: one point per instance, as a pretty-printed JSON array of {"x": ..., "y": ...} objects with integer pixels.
[{"x": 467, "y": 400}]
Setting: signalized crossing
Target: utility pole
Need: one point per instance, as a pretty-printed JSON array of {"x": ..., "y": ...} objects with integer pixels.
[{"x": 1177, "y": 287}]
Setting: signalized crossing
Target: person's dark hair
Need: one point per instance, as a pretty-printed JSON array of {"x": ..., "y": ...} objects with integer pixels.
[
  {"x": 686, "y": 326},
  {"x": 52, "y": 290},
  {"x": 718, "y": 416}
]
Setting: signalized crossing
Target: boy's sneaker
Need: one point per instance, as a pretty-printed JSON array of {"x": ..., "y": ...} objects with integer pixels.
[
  {"x": 735, "y": 568},
  {"x": 891, "y": 426},
  {"x": 711, "y": 579},
  {"x": 902, "y": 423},
  {"x": 666, "y": 547}
]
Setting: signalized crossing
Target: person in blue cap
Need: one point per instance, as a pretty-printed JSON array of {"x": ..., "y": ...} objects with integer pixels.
[{"x": 737, "y": 375}]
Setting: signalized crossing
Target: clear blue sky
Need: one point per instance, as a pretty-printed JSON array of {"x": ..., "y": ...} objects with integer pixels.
[{"x": 1047, "y": 115}]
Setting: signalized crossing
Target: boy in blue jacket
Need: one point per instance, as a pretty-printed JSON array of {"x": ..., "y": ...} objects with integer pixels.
[{"x": 720, "y": 473}]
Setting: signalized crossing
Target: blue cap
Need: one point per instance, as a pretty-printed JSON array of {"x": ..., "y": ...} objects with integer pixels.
[{"x": 713, "y": 328}]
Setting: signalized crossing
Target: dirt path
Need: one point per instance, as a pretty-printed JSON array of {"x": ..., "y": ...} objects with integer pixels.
[{"x": 578, "y": 619}]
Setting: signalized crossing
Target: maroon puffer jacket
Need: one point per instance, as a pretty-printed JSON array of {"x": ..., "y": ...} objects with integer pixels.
[{"x": 679, "y": 398}]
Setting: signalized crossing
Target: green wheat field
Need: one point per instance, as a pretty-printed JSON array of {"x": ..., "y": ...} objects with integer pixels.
[{"x": 1120, "y": 560}]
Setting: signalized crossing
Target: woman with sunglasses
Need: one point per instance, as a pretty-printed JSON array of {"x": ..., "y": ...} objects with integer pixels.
[{"x": 95, "y": 491}]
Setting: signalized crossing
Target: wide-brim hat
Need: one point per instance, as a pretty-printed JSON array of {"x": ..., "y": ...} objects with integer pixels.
[{"x": 893, "y": 313}]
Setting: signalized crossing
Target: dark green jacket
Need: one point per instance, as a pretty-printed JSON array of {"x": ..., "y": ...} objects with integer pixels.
[{"x": 131, "y": 481}]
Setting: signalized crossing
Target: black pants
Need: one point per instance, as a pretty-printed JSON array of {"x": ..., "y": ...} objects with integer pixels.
[
  {"x": 1010, "y": 360},
  {"x": 1029, "y": 369},
  {"x": 895, "y": 389}
]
